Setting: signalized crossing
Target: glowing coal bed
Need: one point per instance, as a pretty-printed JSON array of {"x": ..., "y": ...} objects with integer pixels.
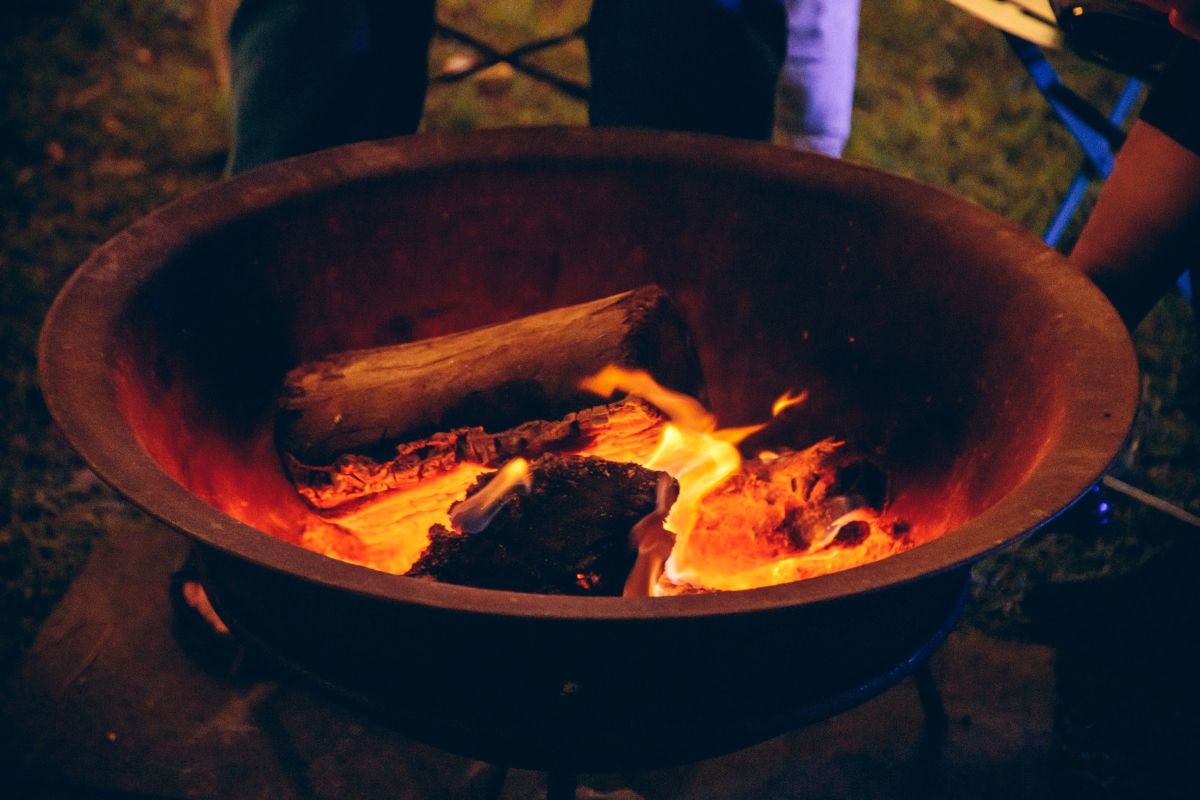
[{"x": 703, "y": 517}]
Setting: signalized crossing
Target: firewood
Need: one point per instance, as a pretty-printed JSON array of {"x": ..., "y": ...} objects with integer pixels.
[
  {"x": 352, "y": 480},
  {"x": 570, "y": 534},
  {"x": 494, "y": 377}
]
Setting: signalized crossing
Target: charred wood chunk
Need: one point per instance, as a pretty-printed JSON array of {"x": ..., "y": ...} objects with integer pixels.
[
  {"x": 568, "y": 535},
  {"x": 863, "y": 479},
  {"x": 366, "y": 401},
  {"x": 852, "y": 533}
]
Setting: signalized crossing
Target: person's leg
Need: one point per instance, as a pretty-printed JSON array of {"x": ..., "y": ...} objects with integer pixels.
[
  {"x": 698, "y": 65},
  {"x": 816, "y": 85},
  {"x": 310, "y": 74}
]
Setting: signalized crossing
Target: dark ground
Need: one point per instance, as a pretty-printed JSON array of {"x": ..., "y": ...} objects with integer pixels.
[{"x": 112, "y": 109}]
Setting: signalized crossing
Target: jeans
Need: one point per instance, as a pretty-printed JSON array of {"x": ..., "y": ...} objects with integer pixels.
[
  {"x": 816, "y": 85},
  {"x": 708, "y": 66},
  {"x": 311, "y": 74}
]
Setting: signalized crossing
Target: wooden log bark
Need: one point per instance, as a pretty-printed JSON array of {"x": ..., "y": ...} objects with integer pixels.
[{"x": 494, "y": 377}]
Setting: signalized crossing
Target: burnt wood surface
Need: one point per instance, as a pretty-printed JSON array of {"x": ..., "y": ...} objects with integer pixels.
[
  {"x": 568, "y": 535},
  {"x": 496, "y": 377}
]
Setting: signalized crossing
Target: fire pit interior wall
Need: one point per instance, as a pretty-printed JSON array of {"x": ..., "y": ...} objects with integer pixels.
[{"x": 875, "y": 309}]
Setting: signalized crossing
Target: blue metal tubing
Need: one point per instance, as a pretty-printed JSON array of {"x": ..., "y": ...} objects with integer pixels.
[
  {"x": 1066, "y": 209},
  {"x": 1075, "y": 194},
  {"x": 1098, "y": 136}
]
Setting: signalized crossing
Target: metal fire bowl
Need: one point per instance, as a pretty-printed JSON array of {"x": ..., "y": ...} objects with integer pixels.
[{"x": 997, "y": 381}]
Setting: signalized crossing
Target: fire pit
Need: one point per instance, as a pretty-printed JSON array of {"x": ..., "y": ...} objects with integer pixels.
[{"x": 996, "y": 382}]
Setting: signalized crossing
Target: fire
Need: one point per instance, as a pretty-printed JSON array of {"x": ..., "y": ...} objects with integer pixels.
[
  {"x": 734, "y": 530},
  {"x": 700, "y": 462},
  {"x": 786, "y": 401},
  {"x": 473, "y": 514},
  {"x": 654, "y": 544},
  {"x": 735, "y": 522},
  {"x": 685, "y": 411}
]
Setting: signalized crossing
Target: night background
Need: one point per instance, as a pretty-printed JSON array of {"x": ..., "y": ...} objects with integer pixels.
[{"x": 110, "y": 110}]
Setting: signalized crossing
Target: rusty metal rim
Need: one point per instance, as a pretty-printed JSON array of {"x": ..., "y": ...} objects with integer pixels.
[{"x": 76, "y": 378}]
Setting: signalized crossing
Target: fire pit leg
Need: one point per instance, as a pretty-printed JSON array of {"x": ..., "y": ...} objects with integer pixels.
[
  {"x": 931, "y": 699},
  {"x": 926, "y": 776},
  {"x": 560, "y": 784},
  {"x": 561, "y": 780},
  {"x": 495, "y": 785}
]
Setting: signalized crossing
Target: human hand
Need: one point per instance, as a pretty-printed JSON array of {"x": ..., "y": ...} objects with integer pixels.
[{"x": 1184, "y": 14}]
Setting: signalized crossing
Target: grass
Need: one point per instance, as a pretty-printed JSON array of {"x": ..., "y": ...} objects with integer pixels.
[
  {"x": 109, "y": 110},
  {"x": 112, "y": 109}
]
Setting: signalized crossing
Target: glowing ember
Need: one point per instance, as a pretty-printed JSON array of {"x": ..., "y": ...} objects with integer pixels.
[{"x": 389, "y": 530}]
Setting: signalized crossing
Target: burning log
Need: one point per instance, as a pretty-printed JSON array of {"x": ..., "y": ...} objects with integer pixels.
[
  {"x": 495, "y": 377},
  {"x": 615, "y": 430},
  {"x": 570, "y": 534},
  {"x": 380, "y": 513},
  {"x": 600, "y": 520}
]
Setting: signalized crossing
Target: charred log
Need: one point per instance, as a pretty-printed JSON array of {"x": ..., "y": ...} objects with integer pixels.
[
  {"x": 354, "y": 479},
  {"x": 494, "y": 377},
  {"x": 569, "y": 535}
]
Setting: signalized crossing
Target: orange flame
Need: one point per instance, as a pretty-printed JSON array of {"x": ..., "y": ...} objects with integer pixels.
[
  {"x": 692, "y": 451},
  {"x": 700, "y": 463},
  {"x": 740, "y": 539},
  {"x": 787, "y": 400},
  {"x": 685, "y": 411},
  {"x": 722, "y": 537}
]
